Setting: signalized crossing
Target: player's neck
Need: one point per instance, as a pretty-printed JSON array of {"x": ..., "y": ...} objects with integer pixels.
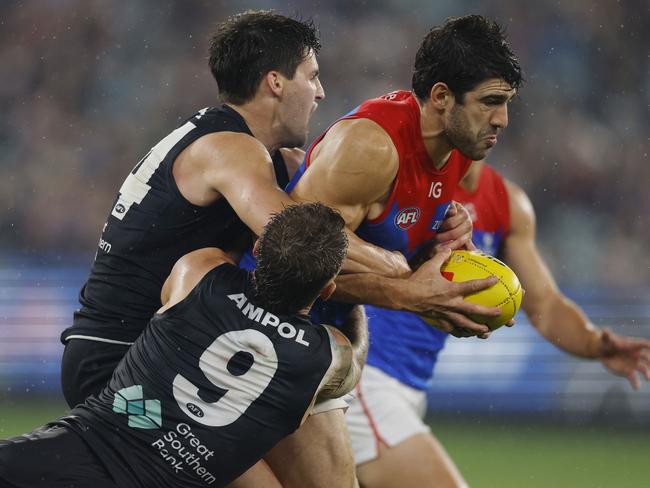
[
  {"x": 433, "y": 135},
  {"x": 470, "y": 181},
  {"x": 259, "y": 120}
]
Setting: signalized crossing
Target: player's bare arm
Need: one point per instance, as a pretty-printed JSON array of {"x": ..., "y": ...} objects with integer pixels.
[
  {"x": 557, "y": 318},
  {"x": 352, "y": 169},
  {"x": 188, "y": 271},
  {"x": 236, "y": 166},
  {"x": 214, "y": 167},
  {"x": 349, "y": 352}
]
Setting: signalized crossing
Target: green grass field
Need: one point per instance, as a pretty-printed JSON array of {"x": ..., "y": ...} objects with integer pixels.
[{"x": 490, "y": 454}]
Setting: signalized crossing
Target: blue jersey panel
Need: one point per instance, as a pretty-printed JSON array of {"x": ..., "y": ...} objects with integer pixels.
[
  {"x": 488, "y": 242},
  {"x": 403, "y": 345},
  {"x": 384, "y": 233},
  {"x": 247, "y": 261}
]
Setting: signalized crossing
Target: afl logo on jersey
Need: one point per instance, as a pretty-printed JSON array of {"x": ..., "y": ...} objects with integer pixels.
[
  {"x": 195, "y": 410},
  {"x": 407, "y": 218},
  {"x": 119, "y": 208}
]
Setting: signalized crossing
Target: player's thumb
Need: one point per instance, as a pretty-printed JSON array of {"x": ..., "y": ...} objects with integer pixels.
[{"x": 452, "y": 209}]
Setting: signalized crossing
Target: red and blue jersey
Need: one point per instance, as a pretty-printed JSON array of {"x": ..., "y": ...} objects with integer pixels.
[
  {"x": 402, "y": 344},
  {"x": 420, "y": 194},
  {"x": 489, "y": 208}
]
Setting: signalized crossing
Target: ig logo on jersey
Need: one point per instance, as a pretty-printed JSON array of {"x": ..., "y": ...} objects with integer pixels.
[{"x": 407, "y": 217}]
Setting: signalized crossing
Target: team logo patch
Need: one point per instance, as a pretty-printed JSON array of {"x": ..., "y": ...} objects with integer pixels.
[
  {"x": 407, "y": 218},
  {"x": 142, "y": 414}
]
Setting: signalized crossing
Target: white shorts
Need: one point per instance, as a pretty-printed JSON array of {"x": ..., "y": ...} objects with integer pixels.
[{"x": 384, "y": 411}]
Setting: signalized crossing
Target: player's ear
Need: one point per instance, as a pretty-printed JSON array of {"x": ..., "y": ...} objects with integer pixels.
[
  {"x": 275, "y": 82},
  {"x": 441, "y": 96},
  {"x": 256, "y": 247},
  {"x": 326, "y": 292}
]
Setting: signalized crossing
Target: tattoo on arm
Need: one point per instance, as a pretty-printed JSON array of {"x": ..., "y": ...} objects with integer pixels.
[{"x": 349, "y": 352}]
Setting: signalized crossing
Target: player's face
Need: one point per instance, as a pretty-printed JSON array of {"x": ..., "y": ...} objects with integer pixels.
[
  {"x": 473, "y": 126},
  {"x": 301, "y": 97}
]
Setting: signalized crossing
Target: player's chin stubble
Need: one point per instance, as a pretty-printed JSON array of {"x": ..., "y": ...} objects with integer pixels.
[
  {"x": 460, "y": 137},
  {"x": 465, "y": 143}
]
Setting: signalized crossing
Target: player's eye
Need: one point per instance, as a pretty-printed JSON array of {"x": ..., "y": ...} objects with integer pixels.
[{"x": 493, "y": 101}]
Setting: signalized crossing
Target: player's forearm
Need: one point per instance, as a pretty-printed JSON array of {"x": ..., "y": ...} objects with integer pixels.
[
  {"x": 255, "y": 209},
  {"x": 364, "y": 257},
  {"x": 371, "y": 289},
  {"x": 355, "y": 328},
  {"x": 565, "y": 325},
  {"x": 350, "y": 357}
]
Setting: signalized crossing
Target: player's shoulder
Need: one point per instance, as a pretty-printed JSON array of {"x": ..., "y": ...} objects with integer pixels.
[
  {"x": 391, "y": 102},
  {"x": 522, "y": 212},
  {"x": 363, "y": 138},
  {"x": 224, "y": 144},
  {"x": 191, "y": 269},
  {"x": 203, "y": 259},
  {"x": 518, "y": 197},
  {"x": 221, "y": 155},
  {"x": 219, "y": 118},
  {"x": 392, "y": 111}
]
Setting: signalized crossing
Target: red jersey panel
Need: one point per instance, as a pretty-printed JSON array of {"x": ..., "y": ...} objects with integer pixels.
[{"x": 490, "y": 210}]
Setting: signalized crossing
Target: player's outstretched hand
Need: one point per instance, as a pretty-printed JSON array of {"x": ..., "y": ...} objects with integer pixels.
[
  {"x": 442, "y": 301},
  {"x": 626, "y": 356},
  {"x": 456, "y": 229}
]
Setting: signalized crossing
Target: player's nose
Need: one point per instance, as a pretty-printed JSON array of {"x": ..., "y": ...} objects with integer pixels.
[
  {"x": 500, "y": 117},
  {"x": 320, "y": 91}
]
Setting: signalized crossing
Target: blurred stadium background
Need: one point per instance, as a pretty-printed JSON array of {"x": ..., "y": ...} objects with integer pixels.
[{"x": 88, "y": 86}]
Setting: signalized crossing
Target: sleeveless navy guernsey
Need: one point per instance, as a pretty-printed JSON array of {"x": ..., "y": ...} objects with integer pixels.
[
  {"x": 150, "y": 226},
  {"x": 209, "y": 387}
]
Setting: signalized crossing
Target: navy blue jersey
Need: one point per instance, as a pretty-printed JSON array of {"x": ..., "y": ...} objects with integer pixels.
[
  {"x": 210, "y": 386},
  {"x": 150, "y": 226}
]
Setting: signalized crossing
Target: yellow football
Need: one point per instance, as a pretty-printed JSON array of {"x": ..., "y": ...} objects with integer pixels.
[{"x": 505, "y": 294}]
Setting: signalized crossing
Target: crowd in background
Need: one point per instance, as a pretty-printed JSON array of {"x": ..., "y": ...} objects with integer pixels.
[{"x": 87, "y": 87}]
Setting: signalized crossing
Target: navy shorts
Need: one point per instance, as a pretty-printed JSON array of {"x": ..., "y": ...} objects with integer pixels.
[
  {"x": 51, "y": 457},
  {"x": 86, "y": 368}
]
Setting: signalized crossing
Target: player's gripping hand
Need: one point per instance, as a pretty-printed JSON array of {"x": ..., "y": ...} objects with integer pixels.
[
  {"x": 431, "y": 295},
  {"x": 454, "y": 233},
  {"x": 456, "y": 229},
  {"x": 625, "y": 356}
]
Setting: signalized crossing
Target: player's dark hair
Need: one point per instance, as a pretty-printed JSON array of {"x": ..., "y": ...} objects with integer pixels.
[
  {"x": 247, "y": 46},
  {"x": 462, "y": 53},
  {"x": 301, "y": 249}
]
